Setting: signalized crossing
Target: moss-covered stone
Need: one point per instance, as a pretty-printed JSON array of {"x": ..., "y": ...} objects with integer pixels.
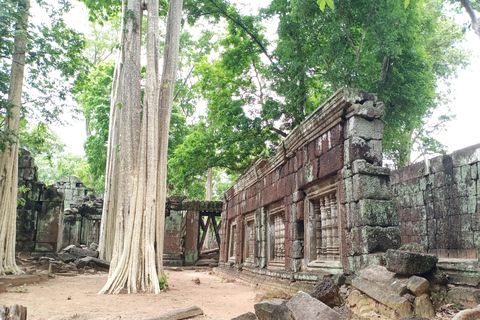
[
  {"x": 378, "y": 213},
  {"x": 409, "y": 263}
]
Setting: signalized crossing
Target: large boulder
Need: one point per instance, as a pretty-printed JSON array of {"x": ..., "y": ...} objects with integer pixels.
[
  {"x": 327, "y": 292},
  {"x": 305, "y": 307},
  {"x": 469, "y": 314},
  {"x": 246, "y": 316},
  {"x": 273, "y": 310},
  {"x": 409, "y": 263}
]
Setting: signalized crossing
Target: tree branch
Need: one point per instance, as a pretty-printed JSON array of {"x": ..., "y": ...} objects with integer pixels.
[
  {"x": 473, "y": 17},
  {"x": 238, "y": 23},
  {"x": 280, "y": 132}
]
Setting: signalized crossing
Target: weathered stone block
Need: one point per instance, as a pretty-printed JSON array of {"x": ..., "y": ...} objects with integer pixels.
[
  {"x": 297, "y": 249},
  {"x": 418, "y": 285},
  {"x": 369, "y": 110},
  {"x": 305, "y": 307},
  {"x": 363, "y": 167},
  {"x": 464, "y": 296},
  {"x": 246, "y": 316},
  {"x": 371, "y": 187},
  {"x": 378, "y": 213},
  {"x": 379, "y": 239},
  {"x": 327, "y": 292},
  {"x": 392, "y": 300},
  {"x": 466, "y": 156},
  {"x": 273, "y": 310},
  {"x": 361, "y": 127},
  {"x": 371, "y": 150},
  {"x": 330, "y": 162},
  {"x": 409, "y": 263},
  {"x": 423, "y": 306}
]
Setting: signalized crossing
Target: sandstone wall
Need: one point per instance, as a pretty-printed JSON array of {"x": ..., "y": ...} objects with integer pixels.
[
  {"x": 438, "y": 203},
  {"x": 333, "y": 157},
  {"x": 39, "y": 221}
]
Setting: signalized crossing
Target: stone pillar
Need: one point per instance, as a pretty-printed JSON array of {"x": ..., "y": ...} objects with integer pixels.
[
  {"x": 191, "y": 240},
  {"x": 370, "y": 222}
]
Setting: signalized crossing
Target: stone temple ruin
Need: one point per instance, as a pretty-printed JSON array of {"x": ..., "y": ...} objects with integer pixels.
[
  {"x": 67, "y": 213},
  {"x": 323, "y": 205}
]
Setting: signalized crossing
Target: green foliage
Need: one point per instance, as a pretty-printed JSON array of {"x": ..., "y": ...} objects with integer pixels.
[
  {"x": 40, "y": 140},
  {"x": 93, "y": 94},
  {"x": 378, "y": 46},
  {"x": 54, "y": 56},
  {"x": 322, "y": 3},
  {"x": 22, "y": 190},
  {"x": 63, "y": 164},
  {"x": 162, "y": 281}
]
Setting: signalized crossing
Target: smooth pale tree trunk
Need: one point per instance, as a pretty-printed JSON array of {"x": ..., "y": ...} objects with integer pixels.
[
  {"x": 209, "y": 188},
  {"x": 129, "y": 123},
  {"x": 107, "y": 226},
  {"x": 167, "y": 84},
  {"x": 9, "y": 158},
  {"x": 137, "y": 264}
]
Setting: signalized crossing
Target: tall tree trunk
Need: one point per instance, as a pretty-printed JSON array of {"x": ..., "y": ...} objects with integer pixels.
[
  {"x": 129, "y": 123},
  {"x": 139, "y": 262},
  {"x": 208, "y": 195},
  {"x": 9, "y": 158},
  {"x": 107, "y": 226},
  {"x": 167, "y": 84}
]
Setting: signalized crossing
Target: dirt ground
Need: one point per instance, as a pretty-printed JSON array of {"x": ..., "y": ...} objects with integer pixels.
[{"x": 65, "y": 298}]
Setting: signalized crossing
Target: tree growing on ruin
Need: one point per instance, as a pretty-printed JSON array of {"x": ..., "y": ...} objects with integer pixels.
[{"x": 134, "y": 210}]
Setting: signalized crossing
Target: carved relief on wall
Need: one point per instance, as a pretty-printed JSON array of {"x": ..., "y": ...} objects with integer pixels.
[
  {"x": 322, "y": 237},
  {"x": 232, "y": 245},
  {"x": 276, "y": 236},
  {"x": 249, "y": 239}
]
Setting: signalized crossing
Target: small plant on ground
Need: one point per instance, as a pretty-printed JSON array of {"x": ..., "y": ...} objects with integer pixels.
[
  {"x": 162, "y": 281},
  {"x": 21, "y": 289}
]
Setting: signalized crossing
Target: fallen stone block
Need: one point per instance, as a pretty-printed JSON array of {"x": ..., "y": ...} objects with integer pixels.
[
  {"x": 418, "y": 285},
  {"x": 327, "y": 292},
  {"x": 246, "y": 316},
  {"x": 305, "y": 307},
  {"x": 180, "y": 314},
  {"x": 466, "y": 297},
  {"x": 273, "y": 310},
  {"x": 423, "y": 307},
  {"x": 394, "y": 301},
  {"x": 387, "y": 280},
  {"x": 102, "y": 264},
  {"x": 469, "y": 314},
  {"x": 409, "y": 263},
  {"x": 67, "y": 257},
  {"x": 80, "y": 252}
]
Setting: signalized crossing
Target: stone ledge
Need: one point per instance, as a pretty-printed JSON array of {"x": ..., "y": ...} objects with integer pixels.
[
  {"x": 19, "y": 280},
  {"x": 290, "y": 282}
]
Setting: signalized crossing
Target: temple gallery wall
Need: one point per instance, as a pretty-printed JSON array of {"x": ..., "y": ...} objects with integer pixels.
[{"x": 322, "y": 204}]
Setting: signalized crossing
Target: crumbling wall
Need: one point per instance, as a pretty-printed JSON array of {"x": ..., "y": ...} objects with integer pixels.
[
  {"x": 438, "y": 203},
  {"x": 323, "y": 202},
  {"x": 40, "y": 219},
  {"x": 83, "y": 212}
]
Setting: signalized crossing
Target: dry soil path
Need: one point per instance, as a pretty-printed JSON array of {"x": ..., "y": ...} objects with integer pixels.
[{"x": 76, "y": 298}]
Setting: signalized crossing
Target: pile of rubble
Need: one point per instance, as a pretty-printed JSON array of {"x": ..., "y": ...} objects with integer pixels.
[
  {"x": 72, "y": 260},
  {"x": 408, "y": 286}
]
